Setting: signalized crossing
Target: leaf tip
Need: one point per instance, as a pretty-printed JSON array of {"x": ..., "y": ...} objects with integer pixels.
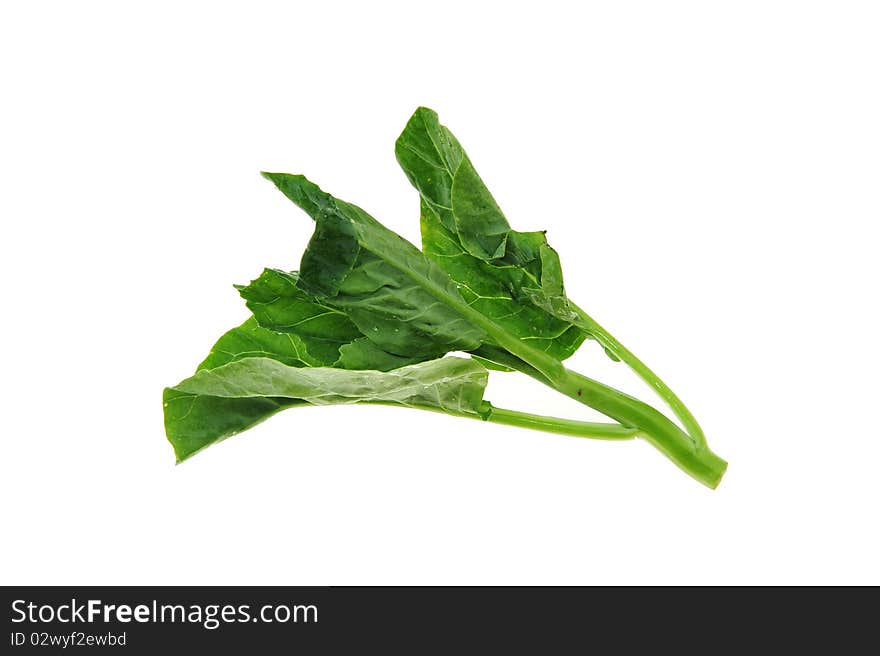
[
  {"x": 422, "y": 115},
  {"x": 272, "y": 177},
  {"x": 423, "y": 110},
  {"x": 284, "y": 178}
]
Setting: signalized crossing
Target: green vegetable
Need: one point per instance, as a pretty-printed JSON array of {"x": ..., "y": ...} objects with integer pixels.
[{"x": 369, "y": 318}]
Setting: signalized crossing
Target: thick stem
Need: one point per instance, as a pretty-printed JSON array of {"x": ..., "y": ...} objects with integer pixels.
[
  {"x": 609, "y": 342},
  {"x": 703, "y": 465},
  {"x": 697, "y": 460}
]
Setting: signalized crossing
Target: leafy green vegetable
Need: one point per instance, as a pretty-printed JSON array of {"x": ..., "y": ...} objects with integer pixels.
[{"x": 369, "y": 317}]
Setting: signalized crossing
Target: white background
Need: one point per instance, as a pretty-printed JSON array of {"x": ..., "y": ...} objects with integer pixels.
[{"x": 708, "y": 172}]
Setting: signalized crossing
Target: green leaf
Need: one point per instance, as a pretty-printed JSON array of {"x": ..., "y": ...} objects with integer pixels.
[
  {"x": 194, "y": 421},
  {"x": 397, "y": 297},
  {"x": 429, "y": 155},
  {"x": 438, "y": 167},
  {"x": 500, "y": 271},
  {"x": 216, "y": 403}
]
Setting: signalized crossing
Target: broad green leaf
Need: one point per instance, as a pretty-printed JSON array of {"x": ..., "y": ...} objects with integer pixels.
[
  {"x": 216, "y": 403},
  {"x": 398, "y": 298},
  {"x": 438, "y": 167},
  {"x": 501, "y": 272},
  {"x": 192, "y": 421},
  {"x": 430, "y": 155}
]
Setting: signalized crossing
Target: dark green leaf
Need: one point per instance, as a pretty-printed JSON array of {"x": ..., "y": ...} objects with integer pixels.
[
  {"x": 429, "y": 155},
  {"x": 195, "y": 421},
  {"x": 500, "y": 271},
  {"x": 398, "y": 298}
]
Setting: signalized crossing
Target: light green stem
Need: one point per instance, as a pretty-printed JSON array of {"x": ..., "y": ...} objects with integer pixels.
[
  {"x": 608, "y": 341},
  {"x": 589, "y": 429},
  {"x": 571, "y": 427},
  {"x": 698, "y": 461},
  {"x": 703, "y": 465}
]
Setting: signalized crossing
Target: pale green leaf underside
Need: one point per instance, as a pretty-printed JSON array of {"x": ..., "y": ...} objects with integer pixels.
[
  {"x": 451, "y": 383},
  {"x": 216, "y": 403}
]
